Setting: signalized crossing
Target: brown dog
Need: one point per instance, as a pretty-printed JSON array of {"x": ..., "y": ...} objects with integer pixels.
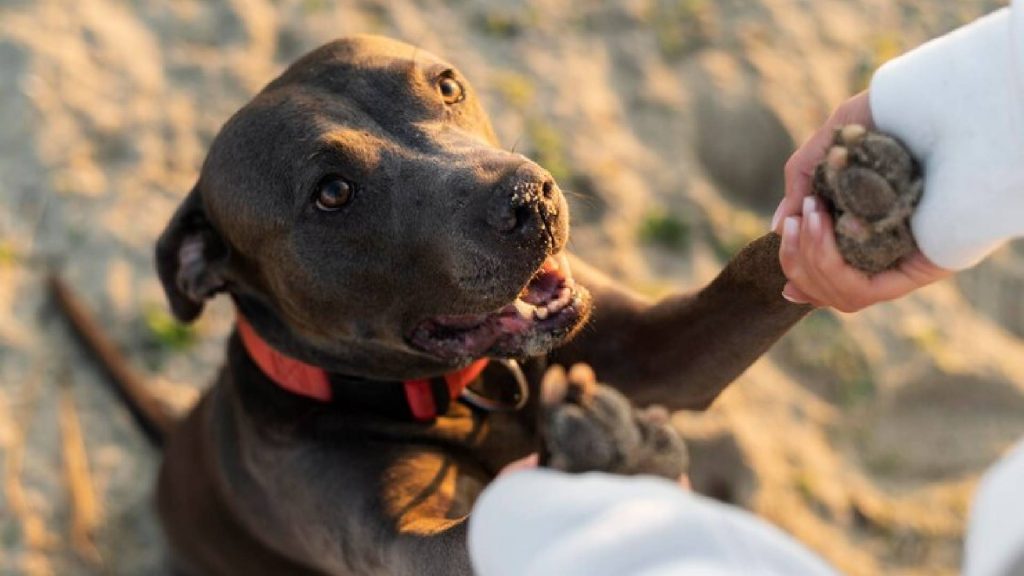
[{"x": 378, "y": 243}]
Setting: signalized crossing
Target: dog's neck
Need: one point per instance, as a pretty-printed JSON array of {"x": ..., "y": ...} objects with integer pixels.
[{"x": 313, "y": 382}]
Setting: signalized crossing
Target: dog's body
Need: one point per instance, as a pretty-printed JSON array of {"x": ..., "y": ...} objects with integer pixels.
[
  {"x": 256, "y": 481},
  {"x": 363, "y": 219}
]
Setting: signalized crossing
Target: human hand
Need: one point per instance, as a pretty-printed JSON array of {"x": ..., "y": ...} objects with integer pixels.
[
  {"x": 525, "y": 463},
  {"x": 810, "y": 258}
]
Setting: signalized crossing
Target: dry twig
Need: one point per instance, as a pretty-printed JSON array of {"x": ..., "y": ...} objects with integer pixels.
[{"x": 85, "y": 508}]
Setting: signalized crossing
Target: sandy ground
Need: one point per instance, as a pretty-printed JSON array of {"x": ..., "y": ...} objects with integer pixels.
[{"x": 669, "y": 120}]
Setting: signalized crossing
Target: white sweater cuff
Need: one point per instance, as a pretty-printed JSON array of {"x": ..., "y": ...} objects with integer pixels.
[{"x": 958, "y": 104}]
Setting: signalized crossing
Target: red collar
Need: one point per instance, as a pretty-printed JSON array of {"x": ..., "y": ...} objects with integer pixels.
[{"x": 313, "y": 382}]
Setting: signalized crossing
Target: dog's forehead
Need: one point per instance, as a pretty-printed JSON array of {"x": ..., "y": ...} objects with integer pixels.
[
  {"x": 379, "y": 49},
  {"x": 354, "y": 98},
  {"x": 368, "y": 83},
  {"x": 339, "y": 62}
]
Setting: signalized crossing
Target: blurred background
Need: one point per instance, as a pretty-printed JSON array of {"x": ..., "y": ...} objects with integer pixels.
[{"x": 669, "y": 122}]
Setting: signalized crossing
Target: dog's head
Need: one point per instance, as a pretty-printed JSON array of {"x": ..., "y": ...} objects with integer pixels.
[{"x": 362, "y": 214}]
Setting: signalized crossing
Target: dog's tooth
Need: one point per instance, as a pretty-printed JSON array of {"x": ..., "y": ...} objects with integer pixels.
[
  {"x": 563, "y": 264},
  {"x": 540, "y": 313},
  {"x": 524, "y": 309}
]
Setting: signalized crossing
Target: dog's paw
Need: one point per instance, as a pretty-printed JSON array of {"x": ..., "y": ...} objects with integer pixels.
[
  {"x": 871, "y": 184},
  {"x": 587, "y": 426}
]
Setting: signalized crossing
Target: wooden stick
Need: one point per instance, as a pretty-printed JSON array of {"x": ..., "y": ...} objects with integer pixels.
[
  {"x": 85, "y": 508},
  {"x": 146, "y": 408}
]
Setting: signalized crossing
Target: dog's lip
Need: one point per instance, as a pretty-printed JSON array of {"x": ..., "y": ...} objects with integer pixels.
[{"x": 550, "y": 303}]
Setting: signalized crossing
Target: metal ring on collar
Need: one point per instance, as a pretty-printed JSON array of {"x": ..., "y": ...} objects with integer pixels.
[{"x": 489, "y": 405}]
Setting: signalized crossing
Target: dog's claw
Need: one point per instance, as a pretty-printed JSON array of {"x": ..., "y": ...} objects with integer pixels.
[
  {"x": 852, "y": 134},
  {"x": 554, "y": 386}
]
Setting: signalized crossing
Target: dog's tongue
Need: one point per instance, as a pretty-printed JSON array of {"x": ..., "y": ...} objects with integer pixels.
[{"x": 553, "y": 273}]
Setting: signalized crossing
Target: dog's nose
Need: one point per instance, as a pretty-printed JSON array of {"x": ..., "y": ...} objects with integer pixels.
[{"x": 528, "y": 194}]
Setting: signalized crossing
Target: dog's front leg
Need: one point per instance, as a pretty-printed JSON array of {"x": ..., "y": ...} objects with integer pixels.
[{"x": 684, "y": 350}]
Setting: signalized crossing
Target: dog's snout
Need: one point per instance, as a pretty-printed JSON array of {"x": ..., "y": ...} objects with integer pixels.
[{"x": 527, "y": 196}]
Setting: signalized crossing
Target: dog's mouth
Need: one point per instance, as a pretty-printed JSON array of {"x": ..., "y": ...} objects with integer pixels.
[{"x": 548, "y": 309}]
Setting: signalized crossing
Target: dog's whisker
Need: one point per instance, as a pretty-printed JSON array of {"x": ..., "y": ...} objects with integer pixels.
[
  {"x": 580, "y": 195},
  {"x": 515, "y": 144}
]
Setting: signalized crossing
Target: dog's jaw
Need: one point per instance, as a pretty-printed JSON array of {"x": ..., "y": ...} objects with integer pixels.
[{"x": 549, "y": 309}]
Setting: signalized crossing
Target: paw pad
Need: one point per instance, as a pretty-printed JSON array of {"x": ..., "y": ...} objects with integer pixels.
[
  {"x": 588, "y": 426},
  {"x": 870, "y": 184}
]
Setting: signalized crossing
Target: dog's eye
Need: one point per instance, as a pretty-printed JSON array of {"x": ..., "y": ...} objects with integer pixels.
[
  {"x": 334, "y": 193},
  {"x": 451, "y": 90}
]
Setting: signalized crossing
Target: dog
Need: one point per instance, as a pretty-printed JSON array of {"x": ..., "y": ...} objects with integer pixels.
[{"x": 402, "y": 288}]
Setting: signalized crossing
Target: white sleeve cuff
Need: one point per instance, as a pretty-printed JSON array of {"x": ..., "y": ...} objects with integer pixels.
[{"x": 958, "y": 103}]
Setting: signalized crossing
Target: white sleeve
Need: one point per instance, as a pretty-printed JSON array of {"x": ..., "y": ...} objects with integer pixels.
[
  {"x": 958, "y": 103},
  {"x": 541, "y": 522},
  {"x": 995, "y": 531}
]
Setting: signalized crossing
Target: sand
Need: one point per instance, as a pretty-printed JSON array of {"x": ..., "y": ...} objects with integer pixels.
[{"x": 667, "y": 120}]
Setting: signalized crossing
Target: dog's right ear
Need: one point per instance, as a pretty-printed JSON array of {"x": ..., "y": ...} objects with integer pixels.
[{"x": 191, "y": 259}]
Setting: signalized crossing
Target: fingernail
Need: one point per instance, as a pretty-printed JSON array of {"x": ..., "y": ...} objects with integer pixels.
[
  {"x": 791, "y": 228},
  {"x": 810, "y": 205},
  {"x": 791, "y": 298},
  {"x": 777, "y": 216},
  {"x": 814, "y": 222}
]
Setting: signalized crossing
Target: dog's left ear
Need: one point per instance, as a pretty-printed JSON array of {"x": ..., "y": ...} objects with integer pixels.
[{"x": 191, "y": 259}]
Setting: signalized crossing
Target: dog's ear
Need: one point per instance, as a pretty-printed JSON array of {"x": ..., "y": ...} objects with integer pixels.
[{"x": 191, "y": 259}]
